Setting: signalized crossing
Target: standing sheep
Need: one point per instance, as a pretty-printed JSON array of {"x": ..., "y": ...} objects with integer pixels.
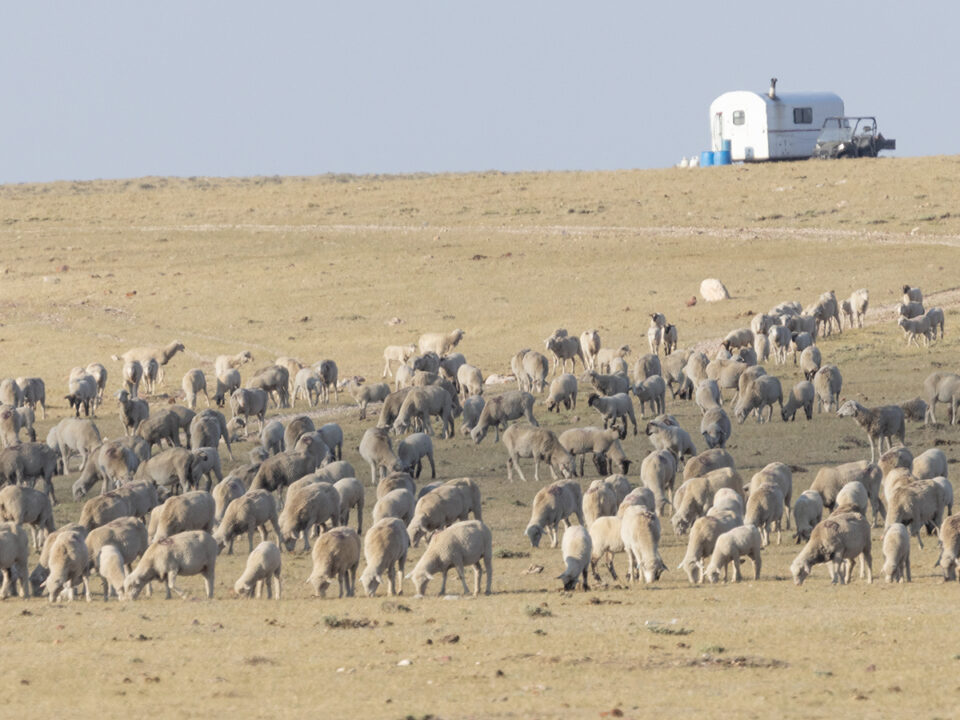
[
  {"x": 464, "y": 543},
  {"x": 440, "y": 343},
  {"x": 187, "y": 553},
  {"x": 577, "y": 549},
  {"x": 640, "y": 531},
  {"x": 500, "y": 409},
  {"x": 377, "y": 450},
  {"x": 540, "y": 444},
  {"x": 385, "y": 550},
  {"x": 807, "y": 512},
  {"x": 262, "y": 571},
  {"x": 827, "y": 383},
  {"x": 194, "y": 383},
  {"x": 563, "y": 389},
  {"x": 336, "y": 554},
  {"x": 801, "y": 396},
  {"x": 896, "y": 554},
  {"x": 838, "y": 538},
  {"x": 729, "y": 548},
  {"x": 552, "y": 505},
  {"x": 880, "y": 423},
  {"x": 590, "y": 344}
]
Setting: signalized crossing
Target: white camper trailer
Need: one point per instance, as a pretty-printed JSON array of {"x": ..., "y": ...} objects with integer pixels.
[{"x": 770, "y": 126}]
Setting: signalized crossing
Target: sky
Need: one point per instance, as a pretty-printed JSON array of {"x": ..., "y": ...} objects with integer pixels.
[{"x": 129, "y": 89}]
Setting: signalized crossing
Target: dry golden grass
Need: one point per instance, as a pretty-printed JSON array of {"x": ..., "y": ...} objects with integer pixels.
[{"x": 315, "y": 267}]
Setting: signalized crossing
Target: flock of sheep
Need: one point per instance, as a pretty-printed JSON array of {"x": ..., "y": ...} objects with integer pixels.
[{"x": 152, "y": 520}]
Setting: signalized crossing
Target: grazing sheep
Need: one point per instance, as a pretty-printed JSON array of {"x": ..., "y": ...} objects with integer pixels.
[
  {"x": 336, "y": 554},
  {"x": 853, "y": 495},
  {"x": 715, "y": 427},
  {"x": 647, "y": 366},
  {"x": 500, "y": 409},
  {"x": 33, "y": 392},
  {"x": 910, "y": 310},
  {"x": 914, "y": 328},
  {"x": 377, "y": 450},
  {"x": 225, "y": 492},
  {"x": 935, "y": 317},
  {"x": 730, "y": 547},
  {"x": 949, "y": 559},
  {"x": 607, "y": 357},
  {"x": 827, "y": 312},
  {"x": 363, "y": 395},
  {"x": 670, "y": 437},
  {"x": 916, "y": 410},
  {"x": 779, "y": 338},
  {"x": 464, "y": 543},
  {"x": 563, "y": 349},
  {"x": 590, "y": 345},
  {"x": 827, "y": 383},
  {"x": 190, "y": 511},
  {"x": 706, "y": 461},
  {"x": 658, "y": 472},
  {"x": 332, "y": 436},
  {"x": 69, "y": 563},
  {"x": 187, "y": 553},
  {"x": 350, "y": 491},
  {"x": 841, "y": 537},
  {"x": 879, "y": 423},
  {"x": 918, "y": 505},
  {"x": 271, "y": 437},
  {"x": 422, "y": 402},
  {"x": 11, "y": 394},
  {"x": 26, "y": 506},
  {"x": 470, "y": 380},
  {"x": 398, "y": 503},
  {"x": 249, "y": 402},
  {"x": 472, "y": 408},
  {"x": 764, "y": 391},
  {"x": 551, "y": 505},
  {"x": 151, "y": 375},
  {"x": 930, "y": 464},
  {"x": 527, "y": 441},
  {"x": 703, "y": 538},
  {"x": 638, "y": 496},
  {"x": 762, "y": 322},
  {"x": 738, "y": 338},
  {"x": 273, "y": 380},
  {"x": 28, "y": 462},
  {"x": 614, "y": 408},
  {"x": 708, "y": 395},
  {"x": 439, "y": 343},
  {"x": 253, "y": 510},
  {"x": 651, "y": 390},
  {"x": 427, "y": 362},
  {"x": 128, "y": 536},
  {"x": 82, "y": 391},
  {"x": 898, "y": 457},
  {"x": 810, "y": 361},
  {"x": 228, "y": 382},
  {"x": 945, "y": 388},
  {"x": 807, "y": 512},
  {"x": 171, "y": 470},
  {"x": 896, "y": 554},
  {"x": 801, "y": 396},
  {"x": 281, "y": 470},
  {"x": 306, "y": 385},
  {"x": 411, "y": 452},
  {"x": 307, "y": 509},
  {"x": 829, "y": 482},
  {"x": 603, "y": 444},
  {"x": 695, "y": 496},
  {"x": 163, "y": 426},
  {"x": 598, "y": 501},
  {"x": 110, "y": 567},
  {"x": 532, "y": 371},
  {"x": 606, "y": 541},
  {"x": 14, "y": 553},
  {"x": 10, "y": 425},
  {"x": 262, "y": 571},
  {"x": 385, "y": 550},
  {"x": 765, "y": 510},
  {"x": 640, "y": 532},
  {"x": 396, "y": 481},
  {"x": 563, "y": 389},
  {"x": 577, "y": 549},
  {"x": 607, "y": 384}
]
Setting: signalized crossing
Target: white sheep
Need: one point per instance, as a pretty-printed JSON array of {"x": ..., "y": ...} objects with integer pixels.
[
  {"x": 377, "y": 450},
  {"x": 827, "y": 383},
  {"x": 397, "y": 503},
  {"x": 715, "y": 427},
  {"x": 563, "y": 389},
  {"x": 262, "y": 571},
  {"x": 411, "y": 451},
  {"x": 896, "y": 553},
  {"x": 658, "y": 472},
  {"x": 765, "y": 510},
  {"x": 598, "y": 501},
  {"x": 552, "y": 505},
  {"x": 853, "y": 495},
  {"x": 640, "y": 531},
  {"x": 590, "y": 344},
  {"x": 703, "y": 538},
  {"x": 577, "y": 550},
  {"x": 464, "y": 543},
  {"x": 607, "y": 542},
  {"x": 651, "y": 390},
  {"x": 935, "y": 317},
  {"x": 670, "y": 437},
  {"x": 385, "y": 550},
  {"x": 188, "y": 553},
  {"x": 540, "y": 444},
  {"x": 69, "y": 563},
  {"x": 109, "y": 564},
  {"x": 914, "y": 328},
  {"x": 807, "y": 512},
  {"x": 194, "y": 382},
  {"x": 949, "y": 559},
  {"x": 396, "y": 353},
  {"x": 841, "y": 537},
  {"x": 732, "y": 545},
  {"x": 336, "y": 554},
  {"x": 801, "y": 396},
  {"x": 439, "y": 343}
]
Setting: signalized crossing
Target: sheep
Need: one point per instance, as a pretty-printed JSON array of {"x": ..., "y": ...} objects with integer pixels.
[
  {"x": 779, "y": 338},
  {"x": 336, "y": 554},
  {"x": 281, "y": 470},
  {"x": 827, "y": 383},
  {"x": 14, "y": 554},
  {"x": 532, "y": 371},
  {"x": 225, "y": 492},
  {"x": 273, "y": 380},
  {"x": 299, "y": 425},
  {"x": 144, "y": 355},
  {"x": 194, "y": 382},
  {"x": 11, "y": 424},
  {"x": 669, "y": 437},
  {"x": 411, "y": 452},
  {"x": 209, "y": 427},
  {"x": 69, "y": 563},
  {"x": 916, "y": 504},
  {"x": 640, "y": 532},
  {"x": 132, "y": 411},
  {"x": 647, "y": 366},
  {"x": 651, "y": 390},
  {"x": 598, "y": 501},
  {"x": 829, "y": 481},
  {"x": 915, "y": 409},
  {"x": 910, "y": 310},
  {"x": 307, "y": 508},
  {"x": 607, "y": 357},
  {"x": 944, "y": 493},
  {"x": 697, "y": 496},
  {"x": 363, "y": 395},
  {"x": 577, "y": 549},
  {"x": 706, "y": 461},
  {"x": 738, "y": 338},
  {"x": 606, "y": 541},
  {"x": 935, "y": 317},
  {"x": 527, "y": 441},
  {"x": 398, "y": 503},
  {"x": 896, "y": 554},
  {"x": 614, "y": 408},
  {"x": 552, "y": 505},
  {"x": 703, "y": 537},
  {"x": 26, "y": 506},
  {"x": 765, "y": 510},
  {"x": 128, "y": 536},
  {"x": 607, "y": 384},
  {"x": 762, "y": 392},
  {"x": 853, "y": 495},
  {"x": 670, "y": 339},
  {"x": 879, "y": 423},
  {"x": 272, "y": 437},
  {"x": 563, "y": 349},
  {"x": 396, "y": 481},
  {"x": 930, "y": 464},
  {"x": 422, "y": 402},
  {"x": 170, "y": 470},
  {"x": 228, "y": 382},
  {"x": 858, "y": 302},
  {"x": 729, "y": 548},
  {"x": 833, "y": 540},
  {"x": 384, "y": 548},
  {"x": 377, "y": 450},
  {"x": 949, "y": 559},
  {"x": 151, "y": 375},
  {"x": 164, "y": 425},
  {"x": 617, "y": 484},
  {"x": 254, "y": 510},
  {"x": 262, "y": 571},
  {"x": 11, "y": 394},
  {"x": 590, "y": 345},
  {"x": 827, "y": 311},
  {"x": 249, "y": 402},
  {"x": 470, "y": 380},
  {"x": 780, "y": 475},
  {"x": 655, "y": 338},
  {"x": 439, "y": 343},
  {"x": 33, "y": 393},
  {"x": 110, "y": 567},
  {"x": 658, "y": 472},
  {"x": 801, "y": 396},
  {"x": 350, "y": 491},
  {"x": 715, "y": 427},
  {"x": 671, "y": 370},
  {"x": 193, "y": 552},
  {"x": 306, "y": 384},
  {"x": 762, "y": 322},
  {"x": 786, "y": 309},
  {"x": 464, "y": 543},
  {"x": 396, "y": 353},
  {"x": 807, "y": 512},
  {"x": 898, "y": 457},
  {"x": 472, "y": 408},
  {"x": 810, "y": 361},
  {"x": 603, "y": 444},
  {"x": 190, "y": 511},
  {"x": 563, "y": 389},
  {"x": 945, "y": 388},
  {"x": 499, "y": 409},
  {"x": 708, "y": 395},
  {"x": 27, "y": 462},
  {"x": 638, "y": 496},
  {"x": 913, "y": 328}
]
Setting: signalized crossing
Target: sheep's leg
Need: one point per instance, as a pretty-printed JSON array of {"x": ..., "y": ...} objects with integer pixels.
[{"x": 735, "y": 559}]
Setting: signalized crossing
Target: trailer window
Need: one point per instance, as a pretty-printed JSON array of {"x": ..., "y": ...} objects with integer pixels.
[
  {"x": 802, "y": 116},
  {"x": 738, "y": 117}
]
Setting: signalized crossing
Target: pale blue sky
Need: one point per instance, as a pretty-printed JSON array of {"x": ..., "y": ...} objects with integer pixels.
[{"x": 125, "y": 89}]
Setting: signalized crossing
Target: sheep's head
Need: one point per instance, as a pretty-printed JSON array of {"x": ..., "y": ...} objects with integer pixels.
[
  {"x": 592, "y": 399},
  {"x": 416, "y": 531},
  {"x": 419, "y": 578},
  {"x": 800, "y": 571},
  {"x": 652, "y": 570},
  {"x": 712, "y": 575},
  {"x": 534, "y": 532},
  {"x": 569, "y": 583},
  {"x": 132, "y": 584},
  {"x": 566, "y": 465},
  {"x": 370, "y": 581},
  {"x": 243, "y": 589},
  {"x": 848, "y": 408}
]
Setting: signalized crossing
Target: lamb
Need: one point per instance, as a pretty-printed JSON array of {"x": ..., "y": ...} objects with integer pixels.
[
  {"x": 384, "y": 548},
  {"x": 810, "y": 361},
  {"x": 187, "y": 553},
  {"x": 398, "y": 503},
  {"x": 307, "y": 508},
  {"x": 670, "y": 437},
  {"x": 563, "y": 349},
  {"x": 780, "y": 338},
  {"x": 422, "y": 402},
  {"x": 658, "y": 472},
  {"x": 262, "y": 571},
  {"x": 949, "y": 559},
  {"x": 914, "y": 328},
  {"x": 729, "y": 548},
  {"x": 527, "y": 441},
  {"x": 249, "y": 402},
  {"x": 26, "y": 506},
  {"x": 598, "y": 501},
  {"x": 930, "y": 464},
  {"x": 464, "y": 543},
  {"x": 841, "y": 537},
  {"x": 607, "y": 384},
  {"x": 412, "y": 450},
  {"x": 807, "y": 512},
  {"x": 879, "y": 423},
  {"x": 34, "y": 392},
  {"x": 336, "y": 554},
  {"x": 715, "y": 427},
  {"x": 551, "y": 505},
  {"x": 377, "y": 450},
  {"x": 194, "y": 383},
  {"x": 563, "y": 390},
  {"x": 363, "y": 395},
  {"x": 440, "y": 343},
  {"x": 14, "y": 553},
  {"x": 590, "y": 344},
  {"x": 801, "y": 396},
  {"x": 703, "y": 538},
  {"x": 604, "y": 444},
  {"x": 472, "y": 408},
  {"x": 827, "y": 383},
  {"x": 640, "y": 532},
  {"x": 28, "y": 462},
  {"x": 614, "y": 408},
  {"x": 144, "y": 355},
  {"x": 350, "y": 491},
  {"x": 651, "y": 390},
  {"x": 896, "y": 554},
  {"x": 762, "y": 392},
  {"x": 68, "y": 562},
  {"x": 82, "y": 391},
  {"x": 697, "y": 496},
  {"x": 738, "y": 338},
  {"x": 499, "y": 409},
  {"x": 916, "y": 504},
  {"x": 190, "y": 511},
  {"x": 164, "y": 425}
]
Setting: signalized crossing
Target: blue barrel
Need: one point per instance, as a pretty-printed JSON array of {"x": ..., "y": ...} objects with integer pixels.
[
  {"x": 721, "y": 157},
  {"x": 727, "y": 145},
  {"x": 706, "y": 158}
]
